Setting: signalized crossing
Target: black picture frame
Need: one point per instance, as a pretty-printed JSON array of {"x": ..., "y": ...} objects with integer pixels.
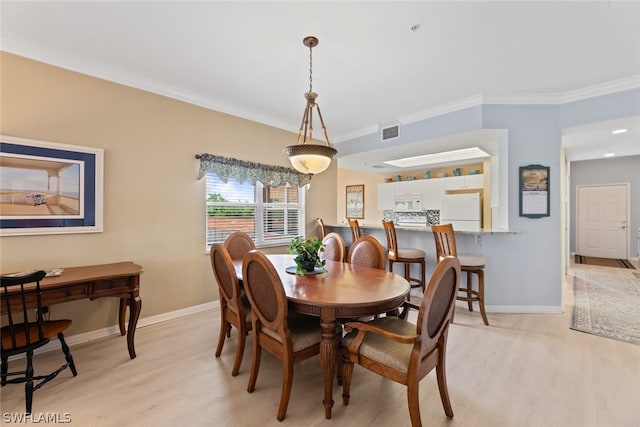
[{"x": 534, "y": 191}]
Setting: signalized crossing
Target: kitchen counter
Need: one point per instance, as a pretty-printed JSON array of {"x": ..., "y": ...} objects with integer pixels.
[{"x": 426, "y": 228}]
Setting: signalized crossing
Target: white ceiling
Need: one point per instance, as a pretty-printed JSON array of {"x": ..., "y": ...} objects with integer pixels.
[{"x": 370, "y": 68}]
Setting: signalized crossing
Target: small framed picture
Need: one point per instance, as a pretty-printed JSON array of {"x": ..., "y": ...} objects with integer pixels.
[
  {"x": 534, "y": 191},
  {"x": 355, "y": 201}
]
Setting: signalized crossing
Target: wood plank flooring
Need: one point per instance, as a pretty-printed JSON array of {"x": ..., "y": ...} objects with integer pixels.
[{"x": 523, "y": 370}]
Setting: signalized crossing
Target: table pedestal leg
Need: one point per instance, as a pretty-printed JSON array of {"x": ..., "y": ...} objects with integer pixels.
[{"x": 328, "y": 356}]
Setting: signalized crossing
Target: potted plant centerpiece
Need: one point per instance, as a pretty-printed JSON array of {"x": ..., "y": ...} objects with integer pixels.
[{"x": 308, "y": 251}]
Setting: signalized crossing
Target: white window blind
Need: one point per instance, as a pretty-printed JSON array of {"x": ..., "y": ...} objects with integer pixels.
[{"x": 272, "y": 216}]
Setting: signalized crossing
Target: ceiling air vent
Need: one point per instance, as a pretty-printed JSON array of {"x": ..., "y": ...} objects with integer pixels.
[{"x": 390, "y": 132}]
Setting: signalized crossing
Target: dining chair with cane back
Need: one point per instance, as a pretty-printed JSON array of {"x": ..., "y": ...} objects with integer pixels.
[
  {"x": 407, "y": 256},
  {"x": 368, "y": 251},
  {"x": 26, "y": 330},
  {"x": 234, "y": 305},
  {"x": 238, "y": 243},
  {"x": 445, "y": 239},
  {"x": 354, "y": 225},
  {"x": 405, "y": 352},
  {"x": 322, "y": 232},
  {"x": 334, "y": 247},
  {"x": 289, "y": 336}
]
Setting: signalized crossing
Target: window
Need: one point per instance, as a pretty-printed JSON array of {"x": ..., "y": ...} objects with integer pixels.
[{"x": 272, "y": 216}]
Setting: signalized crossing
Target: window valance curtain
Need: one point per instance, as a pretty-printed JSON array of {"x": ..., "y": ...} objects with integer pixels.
[{"x": 243, "y": 171}]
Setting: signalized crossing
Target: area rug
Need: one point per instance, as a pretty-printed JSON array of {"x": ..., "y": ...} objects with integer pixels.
[
  {"x": 607, "y": 306},
  {"x": 605, "y": 262}
]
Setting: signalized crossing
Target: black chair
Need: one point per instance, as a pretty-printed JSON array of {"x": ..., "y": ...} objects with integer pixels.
[{"x": 26, "y": 330}]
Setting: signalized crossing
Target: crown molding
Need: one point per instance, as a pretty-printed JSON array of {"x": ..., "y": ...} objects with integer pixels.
[
  {"x": 550, "y": 98},
  {"x": 49, "y": 55}
]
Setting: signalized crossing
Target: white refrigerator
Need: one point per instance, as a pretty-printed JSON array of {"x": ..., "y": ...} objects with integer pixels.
[{"x": 463, "y": 211}]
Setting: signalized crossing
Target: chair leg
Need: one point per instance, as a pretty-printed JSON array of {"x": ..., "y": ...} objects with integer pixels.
[
  {"x": 441, "y": 375},
  {"x": 469, "y": 290},
  {"x": 255, "y": 362},
  {"x": 5, "y": 369},
  {"x": 407, "y": 275},
  {"x": 242, "y": 339},
  {"x": 67, "y": 354},
  {"x": 28, "y": 385},
  {"x": 287, "y": 381},
  {"x": 414, "y": 403},
  {"x": 423, "y": 269},
  {"x": 347, "y": 372},
  {"x": 222, "y": 335},
  {"x": 480, "y": 274}
]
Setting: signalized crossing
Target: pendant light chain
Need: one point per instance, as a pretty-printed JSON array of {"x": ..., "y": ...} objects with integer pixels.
[{"x": 310, "y": 68}]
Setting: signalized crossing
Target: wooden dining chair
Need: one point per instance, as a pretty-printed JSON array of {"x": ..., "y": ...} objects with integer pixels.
[
  {"x": 235, "y": 309},
  {"x": 26, "y": 330},
  {"x": 322, "y": 232},
  {"x": 405, "y": 352},
  {"x": 354, "y": 225},
  {"x": 367, "y": 251},
  {"x": 290, "y": 337},
  {"x": 445, "y": 239},
  {"x": 404, "y": 255},
  {"x": 334, "y": 247},
  {"x": 238, "y": 243}
]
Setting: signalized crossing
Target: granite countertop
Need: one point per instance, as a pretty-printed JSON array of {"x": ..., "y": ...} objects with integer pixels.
[{"x": 426, "y": 229}]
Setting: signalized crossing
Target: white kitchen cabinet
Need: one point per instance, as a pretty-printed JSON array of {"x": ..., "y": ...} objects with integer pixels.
[
  {"x": 463, "y": 182},
  {"x": 432, "y": 192},
  {"x": 408, "y": 187},
  {"x": 386, "y": 192}
]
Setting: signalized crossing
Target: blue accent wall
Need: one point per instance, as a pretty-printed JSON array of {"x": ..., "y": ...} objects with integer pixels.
[{"x": 524, "y": 270}]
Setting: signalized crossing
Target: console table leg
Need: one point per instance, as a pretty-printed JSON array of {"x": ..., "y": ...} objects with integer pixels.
[
  {"x": 121, "y": 315},
  {"x": 135, "y": 305}
]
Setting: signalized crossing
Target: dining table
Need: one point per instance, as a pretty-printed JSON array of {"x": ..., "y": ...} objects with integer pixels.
[{"x": 340, "y": 291}]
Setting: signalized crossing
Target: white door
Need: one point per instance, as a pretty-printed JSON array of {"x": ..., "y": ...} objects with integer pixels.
[{"x": 602, "y": 220}]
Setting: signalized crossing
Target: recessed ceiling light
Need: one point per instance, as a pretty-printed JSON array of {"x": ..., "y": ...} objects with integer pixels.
[
  {"x": 445, "y": 156},
  {"x": 618, "y": 131},
  {"x": 610, "y": 154}
]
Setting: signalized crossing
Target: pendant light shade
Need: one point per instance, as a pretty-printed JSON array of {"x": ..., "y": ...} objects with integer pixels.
[{"x": 305, "y": 156}]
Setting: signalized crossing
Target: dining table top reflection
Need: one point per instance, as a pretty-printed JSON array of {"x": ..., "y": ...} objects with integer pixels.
[{"x": 342, "y": 291}]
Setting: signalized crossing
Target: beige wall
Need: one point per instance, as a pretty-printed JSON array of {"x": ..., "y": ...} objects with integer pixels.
[
  {"x": 153, "y": 204},
  {"x": 372, "y": 215}
]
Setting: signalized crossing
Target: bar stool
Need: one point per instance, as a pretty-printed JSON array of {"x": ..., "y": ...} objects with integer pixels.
[
  {"x": 355, "y": 229},
  {"x": 407, "y": 256},
  {"x": 322, "y": 232},
  {"x": 470, "y": 264}
]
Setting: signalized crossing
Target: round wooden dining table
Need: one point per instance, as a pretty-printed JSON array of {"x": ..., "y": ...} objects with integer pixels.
[{"x": 344, "y": 291}]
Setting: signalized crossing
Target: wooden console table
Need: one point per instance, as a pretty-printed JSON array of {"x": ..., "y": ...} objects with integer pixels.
[{"x": 120, "y": 280}]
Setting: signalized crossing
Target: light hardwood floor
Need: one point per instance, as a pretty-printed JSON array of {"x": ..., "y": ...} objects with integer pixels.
[{"x": 523, "y": 370}]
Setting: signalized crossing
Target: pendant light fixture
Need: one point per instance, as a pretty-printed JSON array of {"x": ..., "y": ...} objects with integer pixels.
[{"x": 305, "y": 156}]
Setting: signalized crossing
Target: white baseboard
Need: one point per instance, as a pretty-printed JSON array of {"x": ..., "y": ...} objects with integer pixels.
[
  {"x": 115, "y": 330},
  {"x": 524, "y": 309}
]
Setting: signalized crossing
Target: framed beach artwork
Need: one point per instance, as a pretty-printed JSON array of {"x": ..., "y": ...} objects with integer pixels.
[
  {"x": 49, "y": 188},
  {"x": 355, "y": 201}
]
